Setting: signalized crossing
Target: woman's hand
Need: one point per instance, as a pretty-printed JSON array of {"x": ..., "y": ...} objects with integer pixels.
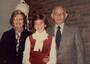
[{"x": 46, "y": 59}]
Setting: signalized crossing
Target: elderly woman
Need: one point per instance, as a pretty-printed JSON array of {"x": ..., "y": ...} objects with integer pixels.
[{"x": 13, "y": 40}]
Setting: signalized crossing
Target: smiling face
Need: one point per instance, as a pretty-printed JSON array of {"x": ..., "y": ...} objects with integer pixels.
[
  {"x": 59, "y": 15},
  {"x": 18, "y": 23},
  {"x": 39, "y": 25}
]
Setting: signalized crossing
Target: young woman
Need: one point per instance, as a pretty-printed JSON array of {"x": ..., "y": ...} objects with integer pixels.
[{"x": 40, "y": 47}]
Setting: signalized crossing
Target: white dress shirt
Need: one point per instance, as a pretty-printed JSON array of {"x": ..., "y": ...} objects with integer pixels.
[
  {"x": 39, "y": 37},
  {"x": 61, "y": 28}
]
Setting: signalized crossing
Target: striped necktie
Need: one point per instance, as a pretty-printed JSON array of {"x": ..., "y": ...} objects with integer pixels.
[{"x": 18, "y": 38}]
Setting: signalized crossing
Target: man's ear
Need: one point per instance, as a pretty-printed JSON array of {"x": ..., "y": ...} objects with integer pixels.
[{"x": 52, "y": 15}]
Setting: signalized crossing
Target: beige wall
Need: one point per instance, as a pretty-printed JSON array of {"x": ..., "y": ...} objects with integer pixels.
[{"x": 6, "y": 7}]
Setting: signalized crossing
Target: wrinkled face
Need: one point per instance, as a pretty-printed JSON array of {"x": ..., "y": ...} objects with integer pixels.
[
  {"x": 59, "y": 15},
  {"x": 18, "y": 23},
  {"x": 39, "y": 25}
]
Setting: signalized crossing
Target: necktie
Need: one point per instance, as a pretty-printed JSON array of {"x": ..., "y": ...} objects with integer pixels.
[
  {"x": 58, "y": 36},
  {"x": 18, "y": 38}
]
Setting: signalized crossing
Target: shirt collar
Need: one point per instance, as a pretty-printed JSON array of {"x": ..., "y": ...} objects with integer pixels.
[{"x": 61, "y": 25}]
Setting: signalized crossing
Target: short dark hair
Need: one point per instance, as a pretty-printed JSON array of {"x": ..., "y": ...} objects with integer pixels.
[
  {"x": 13, "y": 15},
  {"x": 41, "y": 17}
]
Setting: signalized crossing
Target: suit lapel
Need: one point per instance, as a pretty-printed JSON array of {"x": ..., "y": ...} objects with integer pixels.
[
  {"x": 13, "y": 35},
  {"x": 64, "y": 36}
]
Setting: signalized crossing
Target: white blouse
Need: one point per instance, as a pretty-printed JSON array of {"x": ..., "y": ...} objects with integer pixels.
[{"x": 39, "y": 37}]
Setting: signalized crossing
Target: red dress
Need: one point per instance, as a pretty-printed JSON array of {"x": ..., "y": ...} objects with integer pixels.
[{"x": 36, "y": 57}]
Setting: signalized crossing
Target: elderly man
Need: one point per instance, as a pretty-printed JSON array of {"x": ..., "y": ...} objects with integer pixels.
[{"x": 70, "y": 48}]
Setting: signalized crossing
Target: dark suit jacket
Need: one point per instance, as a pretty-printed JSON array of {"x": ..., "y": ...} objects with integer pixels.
[
  {"x": 71, "y": 50},
  {"x": 8, "y": 54}
]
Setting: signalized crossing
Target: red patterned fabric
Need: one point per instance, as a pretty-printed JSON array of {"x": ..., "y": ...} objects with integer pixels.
[{"x": 36, "y": 57}]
